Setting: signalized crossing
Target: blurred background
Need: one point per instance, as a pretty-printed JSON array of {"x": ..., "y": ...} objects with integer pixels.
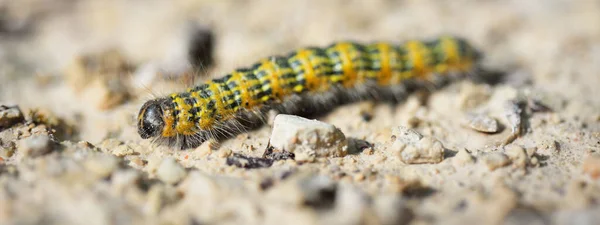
[{"x": 88, "y": 65}]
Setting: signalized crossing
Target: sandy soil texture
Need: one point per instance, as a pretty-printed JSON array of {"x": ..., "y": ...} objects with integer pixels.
[{"x": 73, "y": 75}]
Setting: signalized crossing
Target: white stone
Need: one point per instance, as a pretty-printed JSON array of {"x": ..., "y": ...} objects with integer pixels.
[
  {"x": 307, "y": 137},
  {"x": 170, "y": 171}
]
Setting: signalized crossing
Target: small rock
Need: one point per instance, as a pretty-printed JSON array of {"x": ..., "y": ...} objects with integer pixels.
[
  {"x": 101, "y": 165},
  {"x": 413, "y": 148},
  {"x": 122, "y": 150},
  {"x": 482, "y": 123},
  {"x": 170, "y": 171},
  {"x": 318, "y": 191},
  {"x": 35, "y": 145},
  {"x": 154, "y": 162},
  {"x": 512, "y": 112},
  {"x": 225, "y": 153},
  {"x": 359, "y": 177},
  {"x": 155, "y": 198},
  {"x": 406, "y": 135},
  {"x": 428, "y": 150},
  {"x": 270, "y": 154},
  {"x": 9, "y": 115},
  {"x": 306, "y": 156},
  {"x": 462, "y": 158},
  {"x": 591, "y": 166},
  {"x": 517, "y": 155},
  {"x": 137, "y": 161},
  {"x": 247, "y": 162},
  {"x": 44, "y": 119},
  {"x": 351, "y": 206},
  {"x": 534, "y": 161},
  {"x": 123, "y": 179},
  {"x": 392, "y": 210},
  {"x": 307, "y": 137},
  {"x": 496, "y": 160}
]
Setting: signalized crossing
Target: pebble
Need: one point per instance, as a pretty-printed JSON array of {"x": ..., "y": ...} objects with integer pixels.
[
  {"x": 248, "y": 162},
  {"x": 169, "y": 171},
  {"x": 517, "y": 155},
  {"x": 155, "y": 199},
  {"x": 137, "y": 161},
  {"x": 318, "y": 191},
  {"x": 123, "y": 179},
  {"x": 102, "y": 165},
  {"x": 496, "y": 160},
  {"x": 512, "y": 112},
  {"x": 270, "y": 154},
  {"x": 591, "y": 166},
  {"x": 359, "y": 177},
  {"x": 351, "y": 206},
  {"x": 462, "y": 158},
  {"x": 482, "y": 123},
  {"x": 406, "y": 135},
  {"x": 305, "y": 189},
  {"x": 225, "y": 153},
  {"x": 392, "y": 210},
  {"x": 153, "y": 163},
  {"x": 9, "y": 115},
  {"x": 534, "y": 161},
  {"x": 413, "y": 148},
  {"x": 35, "y": 145},
  {"x": 305, "y": 137},
  {"x": 122, "y": 150}
]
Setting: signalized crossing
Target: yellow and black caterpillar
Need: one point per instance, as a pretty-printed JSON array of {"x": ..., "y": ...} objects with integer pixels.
[{"x": 320, "y": 77}]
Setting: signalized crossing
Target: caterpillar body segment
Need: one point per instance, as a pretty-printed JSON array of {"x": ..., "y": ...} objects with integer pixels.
[{"x": 306, "y": 79}]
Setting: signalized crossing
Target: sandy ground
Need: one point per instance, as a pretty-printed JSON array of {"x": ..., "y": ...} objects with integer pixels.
[{"x": 80, "y": 70}]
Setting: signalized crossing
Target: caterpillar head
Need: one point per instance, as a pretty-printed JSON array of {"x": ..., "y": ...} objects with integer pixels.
[{"x": 150, "y": 118}]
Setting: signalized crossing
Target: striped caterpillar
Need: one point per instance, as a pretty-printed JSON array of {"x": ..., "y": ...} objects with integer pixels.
[{"x": 307, "y": 79}]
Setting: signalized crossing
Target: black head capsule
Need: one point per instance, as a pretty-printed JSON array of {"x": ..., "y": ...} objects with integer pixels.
[{"x": 150, "y": 119}]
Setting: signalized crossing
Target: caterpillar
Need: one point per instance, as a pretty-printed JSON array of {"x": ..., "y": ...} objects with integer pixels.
[{"x": 306, "y": 79}]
